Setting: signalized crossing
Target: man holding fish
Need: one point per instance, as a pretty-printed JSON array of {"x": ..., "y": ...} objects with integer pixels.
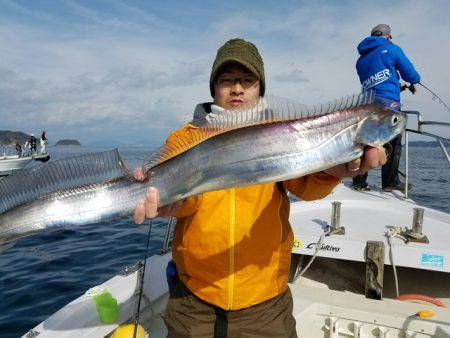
[{"x": 232, "y": 247}]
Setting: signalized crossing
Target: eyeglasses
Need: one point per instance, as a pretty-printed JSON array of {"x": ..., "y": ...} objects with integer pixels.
[{"x": 229, "y": 81}]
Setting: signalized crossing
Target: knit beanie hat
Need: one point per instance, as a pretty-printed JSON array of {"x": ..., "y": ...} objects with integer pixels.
[{"x": 242, "y": 52}]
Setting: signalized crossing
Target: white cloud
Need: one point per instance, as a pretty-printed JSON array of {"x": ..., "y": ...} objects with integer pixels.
[{"x": 133, "y": 70}]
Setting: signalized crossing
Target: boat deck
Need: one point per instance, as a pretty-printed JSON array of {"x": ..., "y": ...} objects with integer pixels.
[{"x": 327, "y": 313}]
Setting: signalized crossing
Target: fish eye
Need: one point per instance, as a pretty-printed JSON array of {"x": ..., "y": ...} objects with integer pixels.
[{"x": 394, "y": 119}]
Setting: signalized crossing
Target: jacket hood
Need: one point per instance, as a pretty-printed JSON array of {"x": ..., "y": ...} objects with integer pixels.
[{"x": 371, "y": 42}]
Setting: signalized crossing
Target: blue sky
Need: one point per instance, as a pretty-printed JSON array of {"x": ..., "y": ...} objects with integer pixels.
[{"x": 134, "y": 70}]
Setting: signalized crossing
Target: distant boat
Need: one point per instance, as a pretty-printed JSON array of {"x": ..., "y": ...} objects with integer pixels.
[{"x": 11, "y": 163}]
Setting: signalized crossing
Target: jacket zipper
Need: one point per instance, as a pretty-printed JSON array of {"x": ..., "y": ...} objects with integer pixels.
[
  {"x": 232, "y": 226},
  {"x": 281, "y": 229}
]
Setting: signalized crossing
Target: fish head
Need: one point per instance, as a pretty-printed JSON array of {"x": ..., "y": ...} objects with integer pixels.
[{"x": 381, "y": 126}]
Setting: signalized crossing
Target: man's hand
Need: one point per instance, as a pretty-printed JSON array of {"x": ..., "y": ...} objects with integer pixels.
[
  {"x": 372, "y": 158},
  {"x": 410, "y": 87},
  {"x": 148, "y": 208}
]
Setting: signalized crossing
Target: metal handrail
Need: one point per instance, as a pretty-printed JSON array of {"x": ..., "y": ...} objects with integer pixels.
[
  {"x": 444, "y": 150},
  {"x": 419, "y": 117},
  {"x": 166, "y": 243},
  {"x": 439, "y": 139},
  {"x": 424, "y": 133},
  {"x": 437, "y": 123},
  {"x": 406, "y": 163},
  {"x": 421, "y": 122}
]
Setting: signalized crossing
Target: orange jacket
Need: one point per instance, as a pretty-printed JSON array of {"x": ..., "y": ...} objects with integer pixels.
[{"x": 232, "y": 247}]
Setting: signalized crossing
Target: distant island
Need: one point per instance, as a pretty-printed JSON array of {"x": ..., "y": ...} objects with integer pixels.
[
  {"x": 10, "y": 138},
  {"x": 68, "y": 142}
]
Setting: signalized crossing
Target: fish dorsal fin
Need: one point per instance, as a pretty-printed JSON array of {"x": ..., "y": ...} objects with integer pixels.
[
  {"x": 264, "y": 111},
  {"x": 6, "y": 246},
  {"x": 28, "y": 184}
]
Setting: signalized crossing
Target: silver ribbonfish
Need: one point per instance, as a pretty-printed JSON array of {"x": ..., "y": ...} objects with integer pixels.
[{"x": 269, "y": 141}]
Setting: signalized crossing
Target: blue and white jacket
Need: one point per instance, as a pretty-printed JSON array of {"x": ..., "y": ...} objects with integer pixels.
[{"x": 378, "y": 65}]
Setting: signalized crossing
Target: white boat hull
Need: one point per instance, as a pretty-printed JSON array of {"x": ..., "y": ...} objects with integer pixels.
[{"x": 11, "y": 163}]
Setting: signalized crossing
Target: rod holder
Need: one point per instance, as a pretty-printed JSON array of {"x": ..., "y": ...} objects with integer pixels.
[
  {"x": 336, "y": 227},
  {"x": 415, "y": 234},
  {"x": 417, "y": 225},
  {"x": 335, "y": 215}
]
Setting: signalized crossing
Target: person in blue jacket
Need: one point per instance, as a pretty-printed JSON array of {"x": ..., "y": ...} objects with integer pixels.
[{"x": 380, "y": 66}]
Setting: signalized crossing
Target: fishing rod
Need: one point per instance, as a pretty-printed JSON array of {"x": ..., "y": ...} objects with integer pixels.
[
  {"x": 141, "y": 282},
  {"x": 435, "y": 96}
]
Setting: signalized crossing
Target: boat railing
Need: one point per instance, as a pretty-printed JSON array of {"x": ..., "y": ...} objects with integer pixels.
[
  {"x": 6, "y": 152},
  {"x": 166, "y": 243},
  {"x": 420, "y": 130}
]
